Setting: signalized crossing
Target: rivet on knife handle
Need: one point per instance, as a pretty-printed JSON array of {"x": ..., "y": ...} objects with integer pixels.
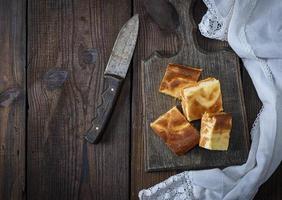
[{"x": 104, "y": 110}]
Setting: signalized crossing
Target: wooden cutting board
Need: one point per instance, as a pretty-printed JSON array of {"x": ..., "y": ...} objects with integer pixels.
[{"x": 223, "y": 65}]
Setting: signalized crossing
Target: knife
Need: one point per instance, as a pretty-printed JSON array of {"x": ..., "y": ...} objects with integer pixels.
[{"x": 114, "y": 75}]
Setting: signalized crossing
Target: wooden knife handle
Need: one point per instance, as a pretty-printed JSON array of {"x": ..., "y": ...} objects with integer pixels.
[{"x": 104, "y": 110}]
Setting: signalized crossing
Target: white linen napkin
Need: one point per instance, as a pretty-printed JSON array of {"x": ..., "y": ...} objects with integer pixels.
[{"x": 253, "y": 29}]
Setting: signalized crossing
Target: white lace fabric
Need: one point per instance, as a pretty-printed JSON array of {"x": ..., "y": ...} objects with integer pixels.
[
  {"x": 176, "y": 187},
  {"x": 253, "y": 30},
  {"x": 213, "y": 24}
]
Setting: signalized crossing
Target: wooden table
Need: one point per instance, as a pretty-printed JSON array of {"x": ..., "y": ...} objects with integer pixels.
[{"x": 42, "y": 152}]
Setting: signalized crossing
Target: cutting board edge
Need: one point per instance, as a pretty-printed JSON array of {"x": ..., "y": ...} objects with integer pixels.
[{"x": 173, "y": 168}]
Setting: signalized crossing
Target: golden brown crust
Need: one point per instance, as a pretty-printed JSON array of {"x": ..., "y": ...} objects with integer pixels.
[
  {"x": 215, "y": 131},
  {"x": 179, "y": 135},
  {"x": 178, "y": 77},
  {"x": 223, "y": 121},
  {"x": 201, "y": 97}
]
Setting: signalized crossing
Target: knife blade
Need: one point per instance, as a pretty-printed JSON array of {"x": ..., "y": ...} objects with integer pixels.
[{"x": 114, "y": 75}]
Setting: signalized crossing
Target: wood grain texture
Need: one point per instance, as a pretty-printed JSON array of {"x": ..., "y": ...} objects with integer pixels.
[
  {"x": 76, "y": 36},
  {"x": 150, "y": 39},
  {"x": 252, "y": 102},
  {"x": 223, "y": 65},
  {"x": 12, "y": 117}
]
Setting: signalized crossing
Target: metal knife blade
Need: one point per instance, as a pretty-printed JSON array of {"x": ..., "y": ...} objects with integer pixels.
[
  {"x": 115, "y": 72},
  {"x": 123, "y": 48}
]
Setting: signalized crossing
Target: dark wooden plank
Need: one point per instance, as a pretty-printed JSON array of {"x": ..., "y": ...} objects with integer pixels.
[
  {"x": 223, "y": 65},
  {"x": 252, "y": 102},
  {"x": 76, "y": 36},
  {"x": 150, "y": 39},
  {"x": 13, "y": 114},
  {"x": 271, "y": 189}
]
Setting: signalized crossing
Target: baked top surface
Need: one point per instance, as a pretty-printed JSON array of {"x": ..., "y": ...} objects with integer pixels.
[
  {"x": 176, "y": 131},
  {"x": 178, "y": 77}
]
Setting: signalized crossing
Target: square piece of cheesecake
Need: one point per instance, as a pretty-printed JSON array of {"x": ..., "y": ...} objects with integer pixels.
[
  {"x": 177, "y": 133},
  {"x": 178, "y": 77},
  {"x": 215, "y": 131},
  {"x": 203, "y": 96}
]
